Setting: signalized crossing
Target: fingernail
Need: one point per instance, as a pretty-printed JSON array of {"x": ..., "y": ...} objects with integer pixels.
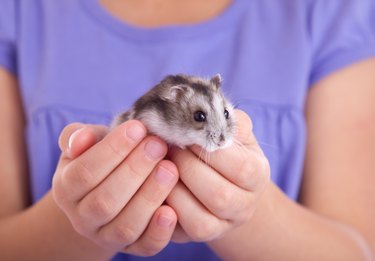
[
  {"x": 135, "y": 132},
  {"x": 164, "y": 176},
  {"x": 154, "y": 149},
  {"x": 72, "y": 137},
  {"x": 164, "y": 221}
]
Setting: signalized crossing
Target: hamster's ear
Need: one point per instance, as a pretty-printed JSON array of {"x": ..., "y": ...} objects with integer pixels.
[
  {"x": 175, "y": 93},
  {"x": 216, "y": 80}
]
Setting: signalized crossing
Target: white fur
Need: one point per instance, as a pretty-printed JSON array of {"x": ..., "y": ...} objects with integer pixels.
[{"x": 156, "y": 125}]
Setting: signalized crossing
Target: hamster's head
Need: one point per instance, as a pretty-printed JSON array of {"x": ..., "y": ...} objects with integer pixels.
[{"x": 199, "y": 112}]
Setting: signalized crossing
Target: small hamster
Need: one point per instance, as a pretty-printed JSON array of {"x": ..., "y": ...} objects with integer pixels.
[{"x": 184, "y": 110}]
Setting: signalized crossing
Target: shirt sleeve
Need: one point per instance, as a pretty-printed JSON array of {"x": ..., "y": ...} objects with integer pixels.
[
  {"x": 342, "y": 32},
  {"x": 8, "y": 35}
]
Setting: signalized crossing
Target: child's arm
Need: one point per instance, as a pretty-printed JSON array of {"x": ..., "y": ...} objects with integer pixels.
[
  {"x": 335, "y": 220},
  {"x": 43, "y": 231},
  {"x": 40, "y": 232}
]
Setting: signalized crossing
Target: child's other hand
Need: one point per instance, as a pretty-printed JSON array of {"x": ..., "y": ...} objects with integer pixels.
[
  {"x": 111, "y": 186},
  {"x": 212, "y": 199}
]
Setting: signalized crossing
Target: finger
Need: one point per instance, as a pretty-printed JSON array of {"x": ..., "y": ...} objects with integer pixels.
[
  {"x": 132, "y": 221},
  {"x": 73, "y": 141},
  {"x": 67, "y": 132},
  {"x": 244, "y": 128},
  {"x": 157, "y": 235},
  {"x": 220, "y": 196},
  {"x": 199, "y": 224},
  {"x": 77, "y": 138},
  {"x": 179, "y": 236},
  {"x": 109, "y": 197},
  {"x": 246, "y": 167},
  {"x": 251, "y": 166},
  {"x": 94, "y": 165}
]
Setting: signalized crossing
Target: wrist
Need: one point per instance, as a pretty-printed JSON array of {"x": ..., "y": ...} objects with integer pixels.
[{"x": 43, "y": 232}]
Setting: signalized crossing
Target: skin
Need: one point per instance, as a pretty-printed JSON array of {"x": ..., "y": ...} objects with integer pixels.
[
  {"x": 155, "y": 13},
  {"x": 247, "y": 217}
]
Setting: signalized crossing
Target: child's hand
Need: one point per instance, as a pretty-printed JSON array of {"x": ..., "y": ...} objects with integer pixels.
[
  {"x": 217, "y": 197},
  {"x": 111, "y": 186}
]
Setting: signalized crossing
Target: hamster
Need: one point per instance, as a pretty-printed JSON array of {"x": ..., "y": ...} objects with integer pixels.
[{"x": 184, "y": 110}]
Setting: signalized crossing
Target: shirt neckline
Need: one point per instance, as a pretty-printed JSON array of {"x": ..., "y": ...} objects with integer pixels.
[{"x": 226, "y": 19}]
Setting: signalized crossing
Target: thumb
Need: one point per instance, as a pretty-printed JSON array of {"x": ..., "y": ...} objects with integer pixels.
[
  {"x": 244, "y": 128},
  {"x": 76, "y": 138}
]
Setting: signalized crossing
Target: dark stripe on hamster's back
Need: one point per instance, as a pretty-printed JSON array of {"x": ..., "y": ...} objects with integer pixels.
[
  {"x": 202, "y": 89},
  {"x": 152, "y": 102},
  {"x": 198, "y": 86},
  {"x": 172, "y": 80}
]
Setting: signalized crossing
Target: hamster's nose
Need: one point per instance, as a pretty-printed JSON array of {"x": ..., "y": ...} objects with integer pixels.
[{"x": 221, "y": 140}]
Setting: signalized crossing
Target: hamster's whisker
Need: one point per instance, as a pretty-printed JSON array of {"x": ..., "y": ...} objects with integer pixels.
[
  {"x": 200, "y": 154},
  {"x": 260, "y": 143},
  {"x": 235, "y": 129},
  {"x": 265, "y": 144},
  {"x": 206, "y": 157},
  {"x": 239, "y": 146},
  {"x": 209, "y": 158}
]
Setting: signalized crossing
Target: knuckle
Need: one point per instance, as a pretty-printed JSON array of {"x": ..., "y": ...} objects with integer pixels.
[
  {"x": 253, "y": 170},
  {"x": 152, "y": 249},
  {"x": 96, "y": 207},
  {"x": 124, "y": 234},
  {"x": 80, "y": 227},
  {"x": 245, "y": 210},
  {"x": 133, "y": 171},
  {"x": 60, "y": 197},
  {"x": 222, "y": 200},
  {"x": 151, "y": 199},
  {"x": 246, "y": 166},
  {"x": 77, "y": 174},
  {"x": 58, "y": 192},
  {"x": 205, "y": 230},
  {"x": 243, "y": 217},
  {"x": 186, "y": 166},
  {"x": 245, "y": 169},
  {"x": 118, "y": 147}
]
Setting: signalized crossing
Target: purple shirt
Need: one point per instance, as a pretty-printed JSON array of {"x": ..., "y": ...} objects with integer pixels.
[{"x": 75, "y": 62}]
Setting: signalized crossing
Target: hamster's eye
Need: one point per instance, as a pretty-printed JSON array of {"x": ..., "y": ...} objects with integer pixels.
[
  {"x": 199, "y": 116},
  {"x": 226, "y": 114}
]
